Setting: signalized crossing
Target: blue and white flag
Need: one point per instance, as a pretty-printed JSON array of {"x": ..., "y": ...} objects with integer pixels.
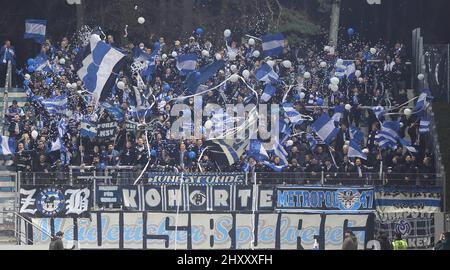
[
  {"x": 7, "y": 146},
  {"x": 424, "y": 126},
  {"x": 88, "y": 129},
  {"x": 193, "y": 81},
  {"x": 338, "y": 113},
  {"x": 423, "y": 102},
  {"x": 56, "y": 105},
  {"x": 279, "y": 151},
  {"x": 266, "y": 74},
  {"x": 227, "y": 152},
  {"x": 285, "y": 130},
  {"x": 294, "y": 116},
  {"x": 35, "y": 29},
  {"x": 312, "y": 141},
  {"x": 186, "y": 63},
  {"x": 355, "y": 151},
  {"x": 56, "y": 145},
  {"x": 379, "y": 113},
  {"x": 325, "y": 128},
  {"x": 100, "y": 68},
  {"x": 387, "y": 137},
  {"x": 356, "y": 134},
  {"x": 42, "y": 63},
  {"x": 114, "y": 111},
  {"x": 256, "y": 150},
  {"x": 273, "y": 44},
  {"x": 277, "y": 168},
  {"x": 269, "y": 91},
  {"x": 408, "y": 145}
]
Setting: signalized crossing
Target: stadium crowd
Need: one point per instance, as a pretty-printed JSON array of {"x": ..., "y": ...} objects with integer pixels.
[{"x": 381, "y": 81}]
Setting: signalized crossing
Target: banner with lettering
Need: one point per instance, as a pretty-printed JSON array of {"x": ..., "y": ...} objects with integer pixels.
[
  {"x": 293, "y": 198},
  {"x": 55, "y": 201},
  {"x": 408, "y": 200},
  {"x": 106, "y": 131},
  {"x": 197, "y": 178}
]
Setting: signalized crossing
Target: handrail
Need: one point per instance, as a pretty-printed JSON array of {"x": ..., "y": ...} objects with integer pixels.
[
  {"x": 27, "y": 222},
  {"x": 5, "y": 95}
]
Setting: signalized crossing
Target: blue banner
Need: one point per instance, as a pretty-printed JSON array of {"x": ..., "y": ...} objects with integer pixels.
[{"x": 409, "y": 200}]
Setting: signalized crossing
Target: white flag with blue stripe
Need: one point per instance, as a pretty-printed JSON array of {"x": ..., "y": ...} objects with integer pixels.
[
  {"x": 355, "y": 151},
  {"x": 36, "y": 30},
  {"x": 100, "y": 68},
  {"x": 186, "y": 63},
  {"x": 276, "y": 168},
  {"x": 387, "y": 137},
  {"x": 269, "y": 91},
  {"x": 257, "y": 151},
  {"x": 88, "y": 129},
  {"x": 273, "y": 44},
  {"x": 422, "y": 103},
  {"x": 266, "y": 74},
  {"x": 293, "y": 115},
  {"x": 325, "y": 128},
  {"x": 279, "y": 151},
  {"x": 7, "y": 146},
  {"x": 424, "y": 126},
  {"x": 55, "y": 105}
]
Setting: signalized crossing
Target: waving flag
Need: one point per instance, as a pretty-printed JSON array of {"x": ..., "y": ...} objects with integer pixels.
[
  {"x": 424, "y": 126},
  {"x": 379, "y": 113},
  {"x": 35, "y": 30},
  {"x": 408, "y": 145},
  {"x": 256, "y": 150},
  {"x": 186, "y": 63},
  {"x": 7, "y": 146},
  {"x": 294, "y": 116},
  {"x": 277, "y": 168},
  {"x": 355, "y": 151},
  {"x": 42, "y": 63},
  {"x": 273, "y": 44},
  {"x": 356, "y": 134},
  {"x": 325, "y": 128},
  {"x": 285, "y": 130},
  {"x": 423, "y": 102},
  {"x": 227, "y": 152},
  {"x": 114, "y": 111},
  {"x": 55, "y": 105},
  {"x": 347, "y": 69},
  {"x": 88, "y": 129},
  {"x": 269, "y": 91},
  {"x": 338, "y": 113},
  {"x": 100, "y": 68},
  {"x": 388, "y": 135},
  {"x": 312, "y": 141},
  {"x": 279, "y": 151},
  {"x": 193, "y": 81},
  {"x": 266, "y": 74}
]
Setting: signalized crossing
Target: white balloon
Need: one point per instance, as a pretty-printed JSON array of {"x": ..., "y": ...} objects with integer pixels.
[
  {"x": 360, "y": 80},
  {"x": 208, "y": 124},
  {"x": 307, "y": 75},
  {"x": 340, "y": 62},
  {"x": 289, "y": 143},
  {"x": 234, "y": 78},
  {"x": 348, "y": 107},
  {"x": 329, "y": 86},
  {"x": 174, "y": 54},
  {"x": 34, "y": 134},
  {"x": 246, "y": 74},
  {"x": 233, "y": 68},
  {"x": 327, "y": 48},
  {"x": 287, "y": 64},
  {"x": 162, "y": 104},
  {"x": 365, "y": 151},
  {"x": 408, "y": 111},
  {"x": 227, "y": 33},
  {"x": 271, "y": 63},
  {"x": 62, "y": 61},
  {"x": 421, "y": 77},
  {"x": 323, "y": 64},
  {"x": 141, "y": 20},
  {"x": 121, "y": 85},
  {"x": 69, "y": 85},
  {"x": 218, "y": 56},
  {"x": 232, "y": 55},
  {"x": 164, "y": 57},
  {"x": 27, "y": 77},
  {"x": 256, "y": 54},
  {"x": 74, "y": 85},
  {"x": 302, "y": 95},
  {"x": 373, "y": 51},
  {"x": 335, "y": 80},
  {"x": 251, "y": 42},
  {"x": 334, "y": 87},
  {"x": 205, "y": 53},
  {"x": 358, "y": 73},
  {"x": 347, "y": 143}
]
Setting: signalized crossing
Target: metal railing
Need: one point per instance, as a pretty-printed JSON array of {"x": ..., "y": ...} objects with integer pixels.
[
  {"x": 5, "y": 97},
  {"x": 20, "y": 228}
]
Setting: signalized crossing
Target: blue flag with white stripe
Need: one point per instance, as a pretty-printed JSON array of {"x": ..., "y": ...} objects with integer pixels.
[
  {"x": 312, "y": 141},
  {"x": 269, "y": 91},
  {"x": 422, "y": 103},
  {"x": 186, "y": 63},
  {"x": 273, "y": 44},
  {"x": 325, "y": 128},
  {"x": 408, "y": 145},
  {"x": 338, "y": 113},
  {"x": 266, "y": 74},
  {"x": 347, "y": 69},
  {"x": 35, "y": 30},
  {"x": 276, "y": 168},
  {"x": 56, "y": 105},
  {"x": 256, "y": 150},
  {"x": 379, "y": 113},
  {"x": 356, "y": 134},
  {"x": 355, "y": 151},
  {"x": 114, "y": 111},
  {"x": 294, "y": 116},
  {"x": 7, "y": 146},
  {"x": 424, "y": 126},
  {"x": 193, "y": 81},
  {"x": 88, "y": 129},
  {"x": 279, "y": 151},
  {"x": 100, "y": 68},
  {"x": 387, "y": 137}
]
